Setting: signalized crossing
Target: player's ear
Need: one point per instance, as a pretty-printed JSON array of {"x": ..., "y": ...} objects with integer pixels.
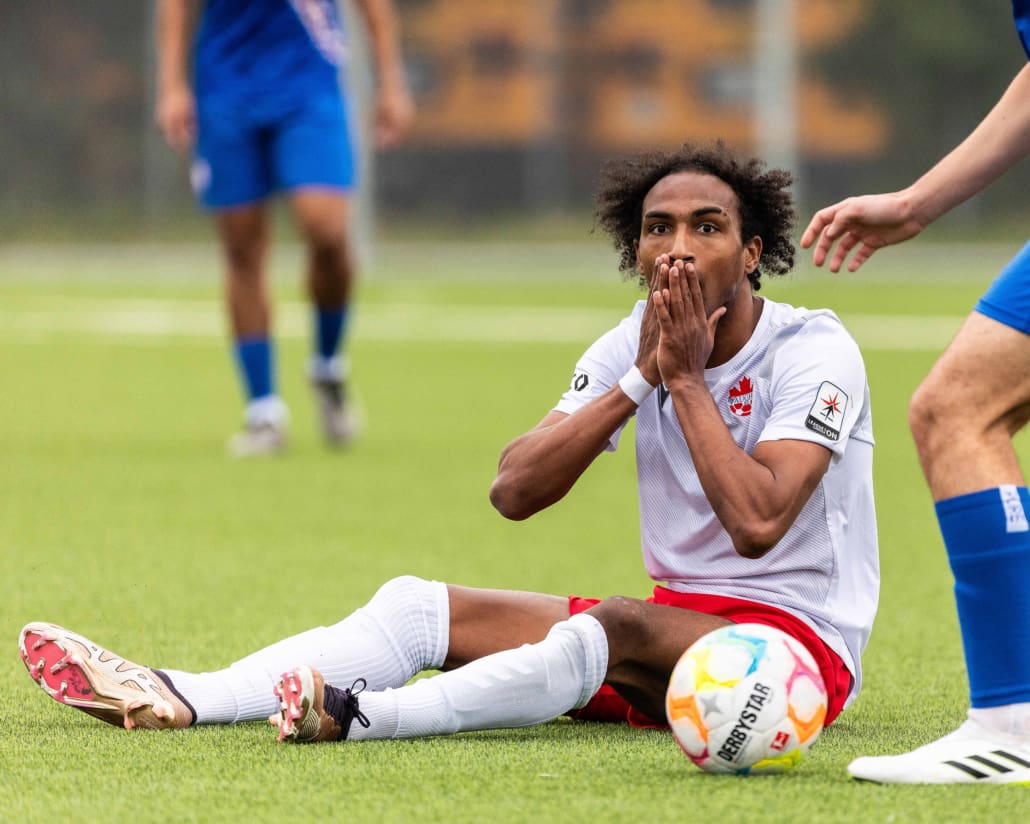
[
  {"x": 752, "y": 254},
  {"x": 636, "y": 251}
]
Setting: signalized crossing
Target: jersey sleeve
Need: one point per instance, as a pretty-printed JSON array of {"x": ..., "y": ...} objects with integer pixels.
[
  {"x": 1021, "y": 13},
  {"x": 602, "y": 365},
  {"x": 818, "y": 387}
]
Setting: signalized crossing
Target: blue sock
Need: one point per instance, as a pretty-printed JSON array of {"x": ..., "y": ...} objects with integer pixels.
[
  {"x": 987, "y": 537},
  {"x": 330, "y": 326},
  {"x": 255, "y": 358}
]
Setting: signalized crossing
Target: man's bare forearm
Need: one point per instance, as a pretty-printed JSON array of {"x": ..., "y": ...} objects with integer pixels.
[
  {"x": 174, "y": 27},
  {"x": 538, "y": 468},
  {"x": 384, "y": 37}
]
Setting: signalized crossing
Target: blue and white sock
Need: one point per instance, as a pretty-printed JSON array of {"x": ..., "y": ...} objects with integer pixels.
[
  {"x": 330, "y": 330},
  {"x": 255, "y": 357},
  {"x": 987, "y": 536}
]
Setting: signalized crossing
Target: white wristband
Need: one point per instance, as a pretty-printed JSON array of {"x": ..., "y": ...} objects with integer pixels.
[{"x": 635, "y": 385}]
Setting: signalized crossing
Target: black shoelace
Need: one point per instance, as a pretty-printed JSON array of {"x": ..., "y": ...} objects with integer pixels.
[{"x": 342, "y": 705}]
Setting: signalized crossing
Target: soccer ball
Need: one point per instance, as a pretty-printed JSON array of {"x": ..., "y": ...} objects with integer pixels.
[{"x": 745, "y": 699}]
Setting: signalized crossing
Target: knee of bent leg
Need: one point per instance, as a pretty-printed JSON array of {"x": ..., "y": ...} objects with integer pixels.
[
  {"x": 404, "y": 595},
  {"x": 929, "y": 414},
  {"x": 622, "y": 617},
  {"x": 400, "y": 587}
]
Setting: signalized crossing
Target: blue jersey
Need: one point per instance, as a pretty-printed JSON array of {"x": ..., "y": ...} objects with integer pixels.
[
  {"x": 1021, "y": 11},
  {"x": 268, "y": 47}
]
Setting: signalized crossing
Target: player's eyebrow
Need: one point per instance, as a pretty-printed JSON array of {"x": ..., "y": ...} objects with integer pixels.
[
  {"x": 704, "y": 210},
  {"x": 709, "y": 210}
]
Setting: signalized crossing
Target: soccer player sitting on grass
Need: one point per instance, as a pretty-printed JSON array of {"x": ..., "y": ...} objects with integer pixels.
[{"x": 754, "y": 454}]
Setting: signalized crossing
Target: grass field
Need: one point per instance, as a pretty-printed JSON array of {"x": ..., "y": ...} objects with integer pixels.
[{"x": 121, "y": 518}]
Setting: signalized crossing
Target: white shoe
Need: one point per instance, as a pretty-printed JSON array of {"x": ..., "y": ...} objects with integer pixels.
[
  {"x": 264, "y": 429},
  {"x": 256, "y": 440},
  {"x": 972, "y": 754},
  {"x": 338, "y": 411}
]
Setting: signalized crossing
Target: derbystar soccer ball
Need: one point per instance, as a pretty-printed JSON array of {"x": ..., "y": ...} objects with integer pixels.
[{"x": 746, "y": 698}]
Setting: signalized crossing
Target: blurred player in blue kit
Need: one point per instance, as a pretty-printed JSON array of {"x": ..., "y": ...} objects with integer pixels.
[
  {"x": 265, "y": 114},
  {"x": 963, "y": 417}
]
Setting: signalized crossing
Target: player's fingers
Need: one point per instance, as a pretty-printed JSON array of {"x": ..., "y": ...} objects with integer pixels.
[
  {"x": 661, "y": 272},
  {"x": 820, "y": 220},
  {"x": 863, "y": 254},
  {"x": 177, "y": 127},
  {"x": 667, "y": 273},
  {"x": 812, "y": 231},
  {"x": 653, "y": 286},
  {"x": 173, "y": 136},
  {"x": 824, "y": 245},
  {"x": 675, "y": 291},
  {"x": 393, "y": 118},
  {"x": 834, "y": 228},
  {"x": 693, "y": 290},
  {"x": 185, "y": 139},
  {"x": 661, "y": 308},
  {"x": 385, "y": 133},
  {"x": 846, "y": 243},
  {"x": 187, "y": 130},
  {"x": 713, "y": 321}
]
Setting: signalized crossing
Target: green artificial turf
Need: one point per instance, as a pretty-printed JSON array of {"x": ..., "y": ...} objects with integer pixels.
[{"x": 121, "y": 518}]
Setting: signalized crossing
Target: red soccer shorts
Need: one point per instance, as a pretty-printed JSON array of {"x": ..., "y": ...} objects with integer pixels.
[{"x": 608, "y": 705}]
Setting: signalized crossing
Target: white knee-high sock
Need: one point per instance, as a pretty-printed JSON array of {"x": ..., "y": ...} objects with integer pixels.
[
  {"x": 403, "y": 630},
  {"x": 515, "y": 688}
]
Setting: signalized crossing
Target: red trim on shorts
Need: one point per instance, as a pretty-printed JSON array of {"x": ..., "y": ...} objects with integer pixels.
[{"x": 608, "y": 705}]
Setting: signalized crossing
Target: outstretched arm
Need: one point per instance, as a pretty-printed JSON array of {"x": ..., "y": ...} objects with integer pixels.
[
  {"x": 394, "y": 110},
  {"x": 755, "y": 496},
  {"x": 865, "y": 224}
]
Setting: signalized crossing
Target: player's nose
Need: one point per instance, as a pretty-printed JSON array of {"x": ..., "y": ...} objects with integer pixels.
[
  {"x": 681, "y": 248},
  {"x": 681, "y": 256}
]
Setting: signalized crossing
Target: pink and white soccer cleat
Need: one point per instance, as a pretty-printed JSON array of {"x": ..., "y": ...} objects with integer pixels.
[
  {"x": 312, "y": 711},
  {"x": 75, "y": 671}
]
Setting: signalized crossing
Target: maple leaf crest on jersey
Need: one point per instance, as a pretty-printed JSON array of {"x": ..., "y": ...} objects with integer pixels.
[{"x": 741, "y": 396}]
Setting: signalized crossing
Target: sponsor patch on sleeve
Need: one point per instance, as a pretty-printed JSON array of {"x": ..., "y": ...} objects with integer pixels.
[
  {"x": 827, "y": 413},
  {"x": 580, "y": 381}
]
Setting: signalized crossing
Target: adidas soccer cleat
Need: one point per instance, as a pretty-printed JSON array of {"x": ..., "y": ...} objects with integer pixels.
[
  {"x": 970, "y": 755},
  {"x": 338, "y": 412},
  {"x": 312, "y": 711},
  {"x": 75, "y": 671}
]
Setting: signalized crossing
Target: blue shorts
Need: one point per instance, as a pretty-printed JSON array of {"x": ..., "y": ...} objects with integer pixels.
[
  {"x": 1008, "y": 298},
  {"x": 247, "y": 149}
]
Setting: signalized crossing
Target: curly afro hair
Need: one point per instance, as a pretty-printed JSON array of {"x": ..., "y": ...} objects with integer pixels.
[{"x": 766, "y": 206}]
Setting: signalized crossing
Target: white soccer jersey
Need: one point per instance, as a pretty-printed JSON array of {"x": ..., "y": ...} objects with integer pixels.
[{"x": 799, "y": 377}]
